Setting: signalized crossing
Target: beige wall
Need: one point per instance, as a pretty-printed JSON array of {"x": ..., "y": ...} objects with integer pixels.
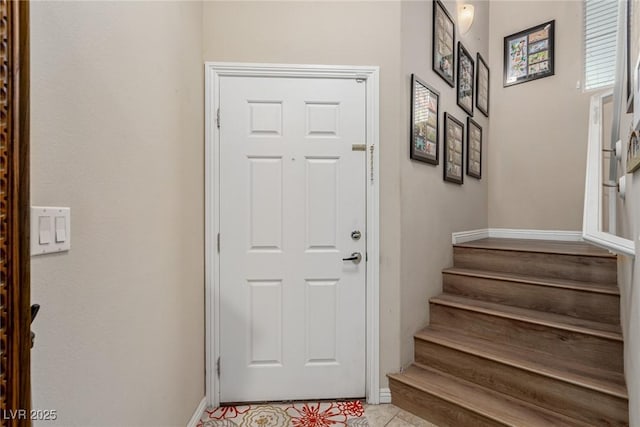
[
  {"x": 629, "y": 269},
  {"x": 431, "y": 208},
  {"x": 344, "y": 33},
  {"x": 539, "y": 129},
  {"x": 117, "y": 135}
]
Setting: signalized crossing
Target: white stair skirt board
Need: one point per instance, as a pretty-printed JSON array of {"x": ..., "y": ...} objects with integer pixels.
[
  {"x": 197, "y": 415},
  {"x": 385, "y": 395},
  {"x": 511, "y": 233}
]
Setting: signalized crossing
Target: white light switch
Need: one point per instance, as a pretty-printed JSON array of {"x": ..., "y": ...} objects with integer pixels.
[
  {"x": 50, "y": 230},
  {"x": 61, "y": 229},
  {"x": 44, "y": 230}
]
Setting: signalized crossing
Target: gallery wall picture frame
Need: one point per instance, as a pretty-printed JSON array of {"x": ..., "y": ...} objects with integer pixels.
[
  {"x": 425, "y": 132},
  {"x": 466, "y": 80},
  {"x": 453, "y": 149},
  {"x": 529, "y": 54},
  {"x": 482, "y": 85},
  {"x": 443, "y": 43},
  {"x": 474, "y": 149}
]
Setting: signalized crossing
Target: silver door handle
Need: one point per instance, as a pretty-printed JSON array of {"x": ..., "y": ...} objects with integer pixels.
[{"x": 356, "y": 257}]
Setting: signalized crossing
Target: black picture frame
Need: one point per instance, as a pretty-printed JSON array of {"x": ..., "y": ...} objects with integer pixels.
[
  {"x": 529, "y": 54},
  {"x": 482, "y": 85},
  {"x": 453, "y": 149},
  {"x": 443, "y": 43},
  {"x": 629, "y": 10},
  {"x": 425, "y": 125},
  {"x": 466, "y": 80},
  {"x": 474, "y": 149}
]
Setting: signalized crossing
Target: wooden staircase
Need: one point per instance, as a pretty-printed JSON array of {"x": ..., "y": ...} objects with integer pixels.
[{"x": 527, "y": 333}]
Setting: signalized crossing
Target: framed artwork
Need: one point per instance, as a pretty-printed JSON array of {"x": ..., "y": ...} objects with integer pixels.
[
  {"x": 474, "y": 149},
  {"x": 528, "y": 55},
  {"x": 629, "y": 66},
  {"x": 453, "y": 149},
  {"x": 482, "y": 85},
  {"x": 425, "y": 106},
  {"x": 465, "y": 79},
  {"x": 444, "y": 37}
]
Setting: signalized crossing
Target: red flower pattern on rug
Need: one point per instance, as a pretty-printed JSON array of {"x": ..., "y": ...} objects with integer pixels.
[
  {"x": 309, "y": 414},
  {"x": 317, "y": 415}
]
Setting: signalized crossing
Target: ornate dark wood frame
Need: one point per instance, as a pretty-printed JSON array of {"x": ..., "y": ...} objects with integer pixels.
[{"x": 15, "y": 314}]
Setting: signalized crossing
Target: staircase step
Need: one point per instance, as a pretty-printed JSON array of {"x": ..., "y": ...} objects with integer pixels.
[
  {"x": 449, "y": 401},
  {"x": 594, "y": 344},
  {"x": 589, "y": 394},
  {"x": 551, "y": 259},
  {"x": 585, "y": 300}
]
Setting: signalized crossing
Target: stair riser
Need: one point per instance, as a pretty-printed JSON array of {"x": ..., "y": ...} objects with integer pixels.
[
  {"x": 568, "y": 399},
  {"x": 584, "y": 305},
  {"x": 573, "y": 267},
  {"x": 586, "y": 349},
  {"x": 435, "y": 409}
]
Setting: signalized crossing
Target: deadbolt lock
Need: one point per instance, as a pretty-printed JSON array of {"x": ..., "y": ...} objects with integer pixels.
[{"x": 355, "y": 235}]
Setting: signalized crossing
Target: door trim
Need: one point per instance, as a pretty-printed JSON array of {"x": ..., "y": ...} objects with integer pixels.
[
  {"x": 370, "y": 77},
  {"x": 15, "y": 312}
]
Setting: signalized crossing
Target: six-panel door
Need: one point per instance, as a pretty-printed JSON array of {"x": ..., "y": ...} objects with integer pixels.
[{"x": 292, "y": 191}]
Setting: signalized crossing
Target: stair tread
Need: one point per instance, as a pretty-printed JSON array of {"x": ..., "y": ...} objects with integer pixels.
[
  {"x": 473, "y": 397},
  {"x": 559, "y": 321},
  {"x": 541, "y": 246},
  {"x": 611, "y": 289},
  {"x": 604, "y": 381}
]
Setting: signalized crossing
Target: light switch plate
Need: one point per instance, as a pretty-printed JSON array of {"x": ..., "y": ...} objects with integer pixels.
[{"x": 50, "y": 230}]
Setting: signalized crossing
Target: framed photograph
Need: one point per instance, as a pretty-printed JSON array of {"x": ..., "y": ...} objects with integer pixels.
[
  {"x": 444, "y": 38},
  {"x": 482, "y": 85},
  {"x": 465, "y": 79},
  {"x": 528, "y": 55},
  {"x": 629, "y": 65},
  {"x": 453, "y": 149},
  {"x": 425, "y": 105},
  {"x": 474, "y": 149}
]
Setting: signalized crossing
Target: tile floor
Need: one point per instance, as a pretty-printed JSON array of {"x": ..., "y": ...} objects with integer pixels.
[{"x": 389, "y": 415}]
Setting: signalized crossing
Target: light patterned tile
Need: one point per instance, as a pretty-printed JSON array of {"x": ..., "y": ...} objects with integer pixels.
[
  {"x": 380, "y": 415},
  {"x": 413, "y": 419},
  {"x": 397, "y": 422}
]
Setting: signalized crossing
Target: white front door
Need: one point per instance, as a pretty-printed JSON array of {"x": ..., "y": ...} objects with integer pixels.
[{"x": 292, "y": 200}]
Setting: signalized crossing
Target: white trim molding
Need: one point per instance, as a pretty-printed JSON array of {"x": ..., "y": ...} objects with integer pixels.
[
  {"x": 385, "y": 395},
  {"x": 593, "y": 214},
  {"x": 469, "y": 236},
  {"x": 197, "y": 415},
  {"x": 370, "y": 75},
  {"x": 559, "y": 235},
  {"x": 511, "y": 233}
]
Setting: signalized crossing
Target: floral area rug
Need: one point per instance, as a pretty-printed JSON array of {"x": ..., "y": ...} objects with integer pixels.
[{"x": 317, "y": 414}]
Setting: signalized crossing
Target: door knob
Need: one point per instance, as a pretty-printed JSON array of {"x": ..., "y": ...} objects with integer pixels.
[{"x": 356, "y": 257}]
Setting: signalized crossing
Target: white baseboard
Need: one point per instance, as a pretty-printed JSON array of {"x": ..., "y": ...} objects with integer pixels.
[
  {"x": 469, "y": 236},
  {"x": 197, "y": 415},
  {"x": 385, "y": 395},
  {"x": 511, "y": 233}
]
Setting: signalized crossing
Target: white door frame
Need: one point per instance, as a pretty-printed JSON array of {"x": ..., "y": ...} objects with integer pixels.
[{"x": 370, "y": 76}]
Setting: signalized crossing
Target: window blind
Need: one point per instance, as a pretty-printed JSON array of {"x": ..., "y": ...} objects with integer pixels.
[{"x": 600, "y": 28}]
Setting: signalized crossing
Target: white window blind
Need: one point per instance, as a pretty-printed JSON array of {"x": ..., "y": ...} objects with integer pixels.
[{"x": 600, "y": 28}]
